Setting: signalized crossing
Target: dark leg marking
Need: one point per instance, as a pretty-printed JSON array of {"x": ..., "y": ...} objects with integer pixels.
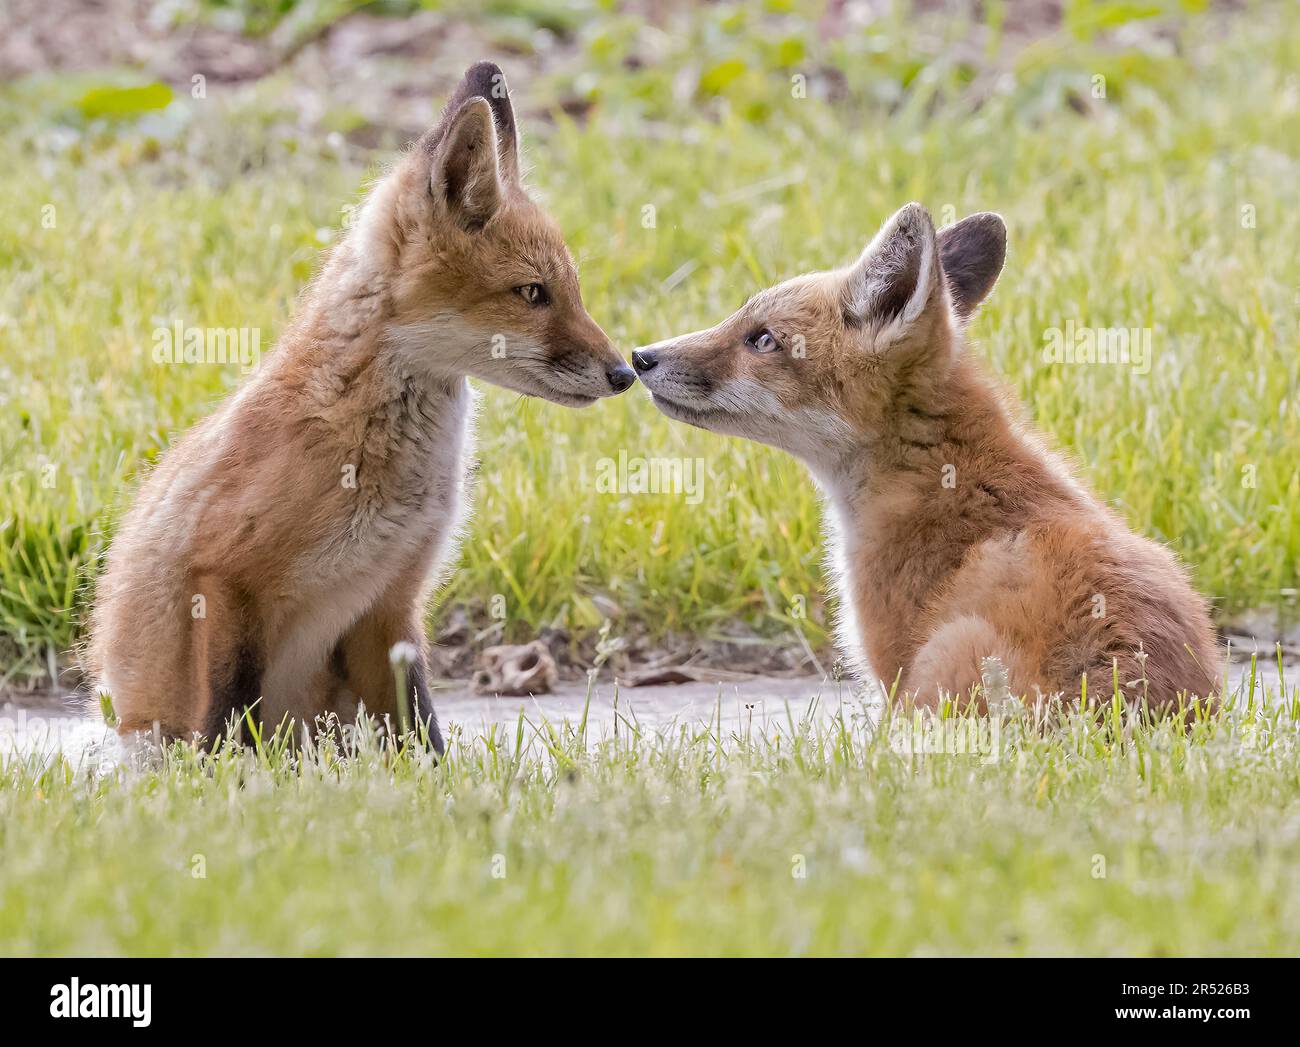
[
  {"x": 236, "y": 687},
  {"x": 424, "y": 705},
  {"x": 339, "y": 661},
  {"x": 234, "y": 669}
]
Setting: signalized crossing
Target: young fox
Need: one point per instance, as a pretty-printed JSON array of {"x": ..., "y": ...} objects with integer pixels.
[
  {"x": 288, "y": 542},
  {"x": 958, "y": 536}
]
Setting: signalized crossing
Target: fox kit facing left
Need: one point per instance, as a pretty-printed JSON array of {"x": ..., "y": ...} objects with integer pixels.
[
  {"x": 958, "y": 537},
  {"x": 289, "y": 541}
]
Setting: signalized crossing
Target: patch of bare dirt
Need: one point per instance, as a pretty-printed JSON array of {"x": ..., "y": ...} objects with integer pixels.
[{"x": 636, "y": 658}]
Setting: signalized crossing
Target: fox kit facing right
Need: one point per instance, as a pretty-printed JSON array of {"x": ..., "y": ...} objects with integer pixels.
[
  {"x": 957, "y": 536},
  {"x": 289, "y": 541}
]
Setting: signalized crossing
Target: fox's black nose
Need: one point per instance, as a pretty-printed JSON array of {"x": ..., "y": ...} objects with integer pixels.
[
  {"x": 620, "y": 377},
  {"x": 644, "y": 360}
]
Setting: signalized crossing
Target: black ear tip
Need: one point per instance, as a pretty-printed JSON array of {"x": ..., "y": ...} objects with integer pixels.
[
  {"x": 993, "y": 230},
  {"x": 972, "y": 252},
  {"x": 986, "y": 228},
  {"x": 483, "y": 66},
  {"x": 483, "y": 77},
  {"x": 991, "y": 223}
]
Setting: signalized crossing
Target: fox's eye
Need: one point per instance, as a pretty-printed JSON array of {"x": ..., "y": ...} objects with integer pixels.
[
  {"x": 533, "y": 294},
  {"x": 764, "y": 341}
]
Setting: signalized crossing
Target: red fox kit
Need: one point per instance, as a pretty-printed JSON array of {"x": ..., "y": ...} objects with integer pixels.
[
  {"x": 957, "y": 536},
  {"x": 288, "y": 542}
]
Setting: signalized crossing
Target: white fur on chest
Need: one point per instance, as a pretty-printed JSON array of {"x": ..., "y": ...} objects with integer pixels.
[
  {"x": 842, "y": 543},
  {"x": 398, "y": 538},
  {"x": 407, "y": 513}
]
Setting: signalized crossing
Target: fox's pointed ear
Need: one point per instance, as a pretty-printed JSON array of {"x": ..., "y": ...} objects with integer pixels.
[
  {"x": 486, "y": 80},
  {"x": 897, "y": 274},
  {"x": 465, "y": 175},
  {"x": 972, "y": 252}
]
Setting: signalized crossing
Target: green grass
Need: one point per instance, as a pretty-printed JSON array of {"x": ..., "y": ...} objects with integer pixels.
[
  {"x": 212, "y": 212},
  {"x": 1099, "y": 834}
]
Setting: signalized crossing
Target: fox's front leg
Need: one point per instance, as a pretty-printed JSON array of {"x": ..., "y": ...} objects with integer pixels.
[
  {"x": 361, "y": 660},
  {"x": 225, "y": 656}
]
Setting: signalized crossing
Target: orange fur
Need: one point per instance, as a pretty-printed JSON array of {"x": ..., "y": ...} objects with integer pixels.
[
  {"x": 288, "y": 541},
  {"x": 956, "y": 535}
]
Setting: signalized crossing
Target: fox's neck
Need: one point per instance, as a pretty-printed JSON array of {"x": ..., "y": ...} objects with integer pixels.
[
  {"x": 337, "y": 363},
  {"x": 907, "y": 505}
]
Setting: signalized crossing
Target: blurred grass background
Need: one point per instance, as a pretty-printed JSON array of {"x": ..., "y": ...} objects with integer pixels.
[{"x": 1122, "y": 141}]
